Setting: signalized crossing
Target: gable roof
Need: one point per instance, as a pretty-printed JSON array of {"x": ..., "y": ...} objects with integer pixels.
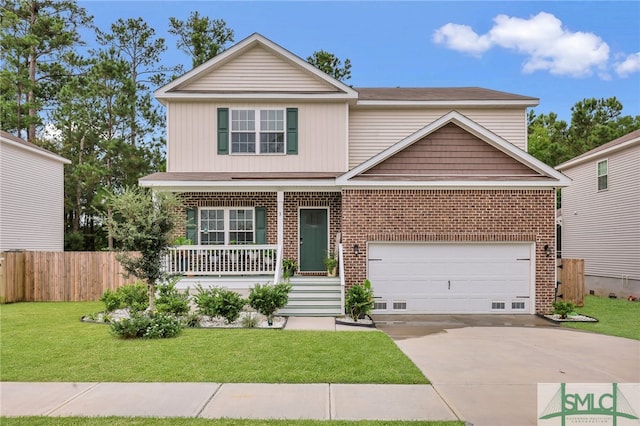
[
  {"x": 15, "y": 141},
  {"x": 335, "y": 89},
  {"x": 540, "y": 174},
  {"x": 623, "y": 142}
]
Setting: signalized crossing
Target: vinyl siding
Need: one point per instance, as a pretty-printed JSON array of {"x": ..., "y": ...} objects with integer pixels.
[
  {"x": 374, "y": 130},
  {"x": 258, "y": 70},
  {"x": 603, "y": 227},
  {"x": 31, "y": 201},
  {"x": 192, "y": 140}
]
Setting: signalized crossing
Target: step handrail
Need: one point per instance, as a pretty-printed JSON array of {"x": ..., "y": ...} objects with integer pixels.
[{"x": 341, "y": 273}]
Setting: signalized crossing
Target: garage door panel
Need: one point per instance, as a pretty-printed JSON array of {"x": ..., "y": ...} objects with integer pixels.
[{"x": 451, "y": 277}]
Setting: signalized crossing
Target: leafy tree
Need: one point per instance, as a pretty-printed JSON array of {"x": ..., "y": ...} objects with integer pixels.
[
  {"x": 329, "y": 64},
  {"x": 144, "y": 222},
  {"x": 133, "y": 41},
  {"x": 200, "y": 37},
  {"x": 593, "y": 122},
  {"x": 37, "y": 40},
  {"x": 547, "y": 138}
]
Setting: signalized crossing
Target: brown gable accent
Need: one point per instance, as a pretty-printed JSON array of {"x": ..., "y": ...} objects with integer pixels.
[{"x": 450, "y": 152}]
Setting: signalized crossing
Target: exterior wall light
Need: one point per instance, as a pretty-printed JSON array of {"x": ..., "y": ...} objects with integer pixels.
[
  {"x": 356, "y": 249},
  {"x": 547, "y": 250}
]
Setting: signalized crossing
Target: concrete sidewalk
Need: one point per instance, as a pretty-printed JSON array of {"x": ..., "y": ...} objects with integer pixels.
[
  {"x": 321, "y": 401},
  {"x": 234, "y": 400}
]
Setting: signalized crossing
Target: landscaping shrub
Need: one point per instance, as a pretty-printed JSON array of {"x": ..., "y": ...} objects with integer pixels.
[
  {"x": 147, "y": 326},
  {"x": 267, "y": 299},
  {"x": 132, "y": 296},
  {"x": 171, "y": 300},
  {"x": 111, "y": 300},
  {"x": 563, "y": 308},
  {"x": 219, "y": 302},
  {"x": 359, "y": 300}
]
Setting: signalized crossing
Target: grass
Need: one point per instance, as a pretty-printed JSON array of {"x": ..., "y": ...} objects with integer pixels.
[
  {"x": 616, "y": 317},
  {"x": 140, "y": 421},
  {"x": 47, "y": 342}
]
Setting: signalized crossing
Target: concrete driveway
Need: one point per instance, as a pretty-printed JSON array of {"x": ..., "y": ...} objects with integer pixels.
[{"x": 487, "y": 367}]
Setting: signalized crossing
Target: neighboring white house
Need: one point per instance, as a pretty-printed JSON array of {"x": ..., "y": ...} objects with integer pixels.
[
  {"x": 31, "y": 196},
  {"x": 601, "y": 215}
]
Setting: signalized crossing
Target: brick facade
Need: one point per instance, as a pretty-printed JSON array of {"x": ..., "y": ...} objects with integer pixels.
[
  {"x": 451, "y": 215},
  {"x": 524, "y": 215}
]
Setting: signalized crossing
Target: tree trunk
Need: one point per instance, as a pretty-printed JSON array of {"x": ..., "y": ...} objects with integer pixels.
[{"x": 31, "y": 132}]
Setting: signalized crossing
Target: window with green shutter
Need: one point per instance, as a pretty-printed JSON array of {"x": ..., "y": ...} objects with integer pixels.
[{"x": 256, "y": 131}]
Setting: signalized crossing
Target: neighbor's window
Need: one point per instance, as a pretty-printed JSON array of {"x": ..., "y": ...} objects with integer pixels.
[
  {"x": 226, "y": 226},
  {"x": 603, "y": 171},
  {"x": 264, "y": 135}
]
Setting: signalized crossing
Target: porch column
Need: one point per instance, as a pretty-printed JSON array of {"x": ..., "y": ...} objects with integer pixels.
[{"x": 280, "y": 218}]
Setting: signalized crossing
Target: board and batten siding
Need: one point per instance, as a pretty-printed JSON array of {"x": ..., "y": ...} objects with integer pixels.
[
  {"x": 603, "y": 227},
  {"x": 259, "y": 70},
  {"x": 192, "y": 140},
  {"x": 372, "y": 130},
  {"x": 31, "y": 201}
]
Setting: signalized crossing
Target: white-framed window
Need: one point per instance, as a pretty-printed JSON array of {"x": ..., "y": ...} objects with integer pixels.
[
  {"x": 399, "y": 305},
  {"x": 517, "y": 305},
  {"x": 226, "y": 225},
  {"x": 257, "y": 131},
  {"x": 380, "y": 305},
  {"x": 603, "y": 172},
  {"x": 498, "y": 305}
]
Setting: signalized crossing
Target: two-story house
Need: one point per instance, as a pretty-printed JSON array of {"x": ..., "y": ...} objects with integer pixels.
[
  {"x": 429, "y": 192},
  {"x": 601, "y": 215}
]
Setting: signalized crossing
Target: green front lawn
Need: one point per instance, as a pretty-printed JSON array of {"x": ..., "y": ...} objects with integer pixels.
[
  {"x": 616, "y": 317},
  {"x": 47, "y": 342},
  {"x": 139, "y": 421}
]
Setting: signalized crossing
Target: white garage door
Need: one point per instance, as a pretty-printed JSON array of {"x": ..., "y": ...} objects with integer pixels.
[{"x": 433, "y": 278}]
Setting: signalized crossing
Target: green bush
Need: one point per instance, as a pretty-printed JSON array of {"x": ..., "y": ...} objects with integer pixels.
[
  {"x": 563, "y": 308},
  {"x": 230, "y": 304},
  {"x": 132, "y": 296},
  {"x": 171, "y": 300},
  {"x": 267, "y": 299},
  {"x": 359, "y": 300},
  {"x": 146, "y": 326},
  {"x": 219, "y": 302},
  {"x": 111, "y": 300}
]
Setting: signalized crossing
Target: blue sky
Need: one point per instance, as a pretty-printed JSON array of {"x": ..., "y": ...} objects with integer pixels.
[{"x": 560, "y": 52}]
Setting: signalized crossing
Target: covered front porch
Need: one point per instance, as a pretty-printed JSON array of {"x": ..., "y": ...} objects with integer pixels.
[{"x": 240, "y": 267}]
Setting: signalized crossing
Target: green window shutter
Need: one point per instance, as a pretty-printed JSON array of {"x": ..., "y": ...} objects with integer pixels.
[
  {"x": 292, "y": 130},
  {"x": 261, "y": 225},
  {"x": 192, "y": 224},
  {"x": 223, "y": 131}
]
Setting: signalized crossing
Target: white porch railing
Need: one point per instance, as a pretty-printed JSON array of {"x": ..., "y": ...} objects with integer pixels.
[
  {"x": 342, "y": 274},
  {"x": 255, "y": 259}
]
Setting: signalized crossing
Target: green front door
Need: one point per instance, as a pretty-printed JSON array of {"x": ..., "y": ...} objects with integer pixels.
[{"x": 314, "y": 239}]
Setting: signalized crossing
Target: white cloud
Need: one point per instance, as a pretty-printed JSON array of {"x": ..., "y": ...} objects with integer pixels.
[
  {"x": 547, "y": 45},
  {"x": 630, "y": 65},
  {"x": 462, "y": 38}
]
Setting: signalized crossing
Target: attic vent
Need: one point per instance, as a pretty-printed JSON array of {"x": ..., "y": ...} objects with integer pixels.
[
  {"x": 497, "y": 306},
  {"x": 380, "y": 306},
  {"x": 399, "y": 305}
]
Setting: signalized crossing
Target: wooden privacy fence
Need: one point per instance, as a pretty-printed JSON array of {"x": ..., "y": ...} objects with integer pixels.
[
  {"x": 571, "y": 281},
  {"x": 37, "y": 276}
]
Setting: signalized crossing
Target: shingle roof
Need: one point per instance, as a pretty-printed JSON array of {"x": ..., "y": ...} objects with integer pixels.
[
  {"x": 29, "y": 145},
  {"x": 600, "y": 149},
  {"x": 437, "y": 94}
]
